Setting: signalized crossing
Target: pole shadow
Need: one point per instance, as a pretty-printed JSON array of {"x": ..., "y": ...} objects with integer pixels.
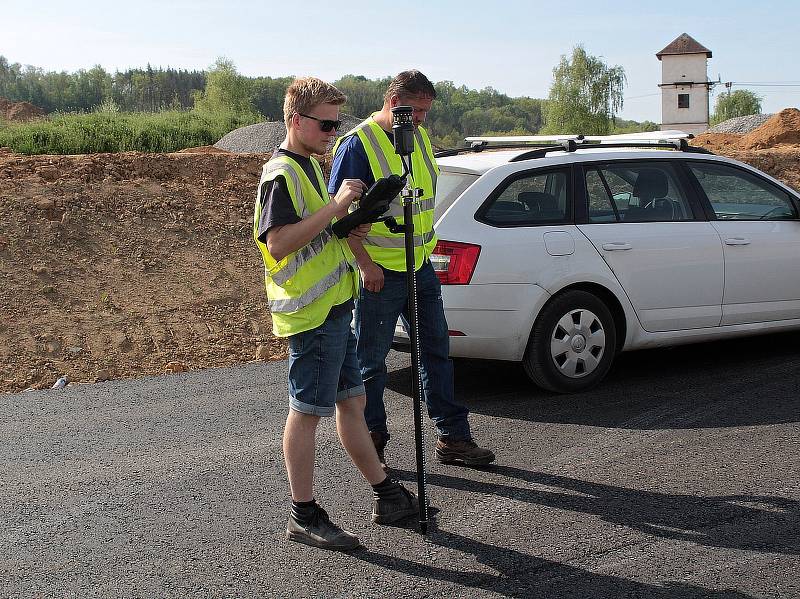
[
  {"x": 518, "y": 574},
  {"x": 758, "y": 523}
]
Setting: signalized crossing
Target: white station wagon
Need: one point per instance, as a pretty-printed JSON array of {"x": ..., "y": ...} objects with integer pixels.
[{"x": 562, "y": 256}]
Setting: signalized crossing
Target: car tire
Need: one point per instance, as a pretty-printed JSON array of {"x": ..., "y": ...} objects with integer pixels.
[{"x": 573, "y": 343}]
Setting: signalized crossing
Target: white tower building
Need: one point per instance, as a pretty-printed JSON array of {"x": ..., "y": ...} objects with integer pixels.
[{"x": 684, "y": 85}]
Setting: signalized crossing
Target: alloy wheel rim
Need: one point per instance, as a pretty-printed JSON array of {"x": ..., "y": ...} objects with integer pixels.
[{"x": 577, "y": 343}]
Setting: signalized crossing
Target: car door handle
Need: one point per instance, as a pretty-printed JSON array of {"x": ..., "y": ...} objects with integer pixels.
[
  {"x": 737, "y": 241},
  {"x": 617, "y": 245}
]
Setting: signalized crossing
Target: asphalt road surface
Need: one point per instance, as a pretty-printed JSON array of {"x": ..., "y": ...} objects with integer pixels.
[{"x": 677, "y": 478}]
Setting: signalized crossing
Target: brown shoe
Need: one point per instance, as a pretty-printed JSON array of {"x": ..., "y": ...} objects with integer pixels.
[
  {"x": 379, "y": 441},
  {"x": 465, "y": 452}
]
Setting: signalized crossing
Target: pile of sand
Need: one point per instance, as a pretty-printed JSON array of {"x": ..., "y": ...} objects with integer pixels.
[
  {"x": 783, "y": 128},
  {"x": 19, "y": 111}
]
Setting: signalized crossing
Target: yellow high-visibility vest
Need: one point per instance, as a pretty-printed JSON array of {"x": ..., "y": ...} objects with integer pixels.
[
  {"x": 383, "y": 246},
  {"x": 306, "y": 284}
]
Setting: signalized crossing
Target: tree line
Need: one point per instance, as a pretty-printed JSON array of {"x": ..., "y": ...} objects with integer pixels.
[
  {"x": 459, "y": 110},
  {"x": 585, "y": 96}
]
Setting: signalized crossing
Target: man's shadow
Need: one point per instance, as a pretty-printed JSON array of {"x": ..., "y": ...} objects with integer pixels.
[
  {"x": 744, "y": 522},
  {"x": 518, "y": 574}
]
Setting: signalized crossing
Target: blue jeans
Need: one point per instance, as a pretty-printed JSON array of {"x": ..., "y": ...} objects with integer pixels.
[
  {"x": 376, "y": 317},
  {"x": 323, "y": 367}
]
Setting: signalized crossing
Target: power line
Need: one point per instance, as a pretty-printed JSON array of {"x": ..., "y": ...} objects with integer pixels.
[
  {"x": 766, "y": 82},
  {"x": 642, "y": 96}
]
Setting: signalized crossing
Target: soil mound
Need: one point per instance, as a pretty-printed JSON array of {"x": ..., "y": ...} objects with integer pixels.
[
  {"x": 19, "y": 111},
  {"x": 783, "y": 128},
  {"x": 715, "y": 141},
  {"x": 123, "y": 265},
  {"x": 203, "y": 150}
]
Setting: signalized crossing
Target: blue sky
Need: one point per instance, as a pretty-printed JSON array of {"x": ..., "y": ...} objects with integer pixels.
[{"x": 511, "y": 46}]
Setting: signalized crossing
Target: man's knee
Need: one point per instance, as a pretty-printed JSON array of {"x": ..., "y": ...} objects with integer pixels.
[
  {"x": 352, "y": 405},
  {"x": 302, "y": 419}
]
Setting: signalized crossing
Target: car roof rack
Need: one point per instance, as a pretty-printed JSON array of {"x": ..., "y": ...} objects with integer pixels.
[{"x": 541, "y": 145}]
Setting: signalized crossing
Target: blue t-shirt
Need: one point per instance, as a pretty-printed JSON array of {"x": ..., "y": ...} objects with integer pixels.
[{"x": 351, "y": 162}]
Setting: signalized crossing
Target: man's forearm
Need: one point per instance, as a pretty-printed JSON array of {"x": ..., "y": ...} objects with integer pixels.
[
  {"x": 360, "y": 253},
  {"x": 289, "y": 238}
]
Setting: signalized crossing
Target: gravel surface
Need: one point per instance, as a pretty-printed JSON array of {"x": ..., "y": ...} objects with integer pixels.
[
  {"x": 741, "y": 124},
  {"x": 265, "y": 137}
]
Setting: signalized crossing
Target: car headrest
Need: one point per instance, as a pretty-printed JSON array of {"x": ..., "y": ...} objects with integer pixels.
[
  {"x": 538, "y": 200},
  {"x": 651, "y": 183}
]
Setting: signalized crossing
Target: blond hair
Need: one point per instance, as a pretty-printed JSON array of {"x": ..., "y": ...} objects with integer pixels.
[{"x": 306, "y": 93}]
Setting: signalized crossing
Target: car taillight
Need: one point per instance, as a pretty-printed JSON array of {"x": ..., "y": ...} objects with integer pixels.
[{"x": 455, "y": 262}]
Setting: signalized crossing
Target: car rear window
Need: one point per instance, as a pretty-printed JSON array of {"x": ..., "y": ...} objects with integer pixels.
[
  {"x": 449, "y": 186},
  {"x": 532, "y": 198}
]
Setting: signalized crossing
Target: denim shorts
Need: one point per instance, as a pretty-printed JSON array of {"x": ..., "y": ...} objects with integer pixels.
[{"x": 323, "y": 367}]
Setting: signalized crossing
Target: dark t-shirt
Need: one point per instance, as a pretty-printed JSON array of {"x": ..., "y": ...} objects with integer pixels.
[
  {"x": 351, "y": 162},
  {"x": 277, "y": 208}
]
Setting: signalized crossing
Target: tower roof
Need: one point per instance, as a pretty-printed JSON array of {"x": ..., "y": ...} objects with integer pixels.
[{"x": 684, "y": 44}]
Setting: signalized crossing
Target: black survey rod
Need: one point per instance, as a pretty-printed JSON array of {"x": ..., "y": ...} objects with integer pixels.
[{"x": 409, "y": 195}]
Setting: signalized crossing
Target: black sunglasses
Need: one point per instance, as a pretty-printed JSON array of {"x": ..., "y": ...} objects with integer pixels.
[{"x": 325, "y": 125}]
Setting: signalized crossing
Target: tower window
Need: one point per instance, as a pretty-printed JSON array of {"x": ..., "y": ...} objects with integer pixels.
[{"x": 683, "y": 100}]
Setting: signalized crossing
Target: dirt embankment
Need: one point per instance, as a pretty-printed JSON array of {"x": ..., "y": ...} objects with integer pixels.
[
  {"x": 19, "y": 111},
  {"x": 119, "y": 265},
  {"x": 116, "y": 265}
]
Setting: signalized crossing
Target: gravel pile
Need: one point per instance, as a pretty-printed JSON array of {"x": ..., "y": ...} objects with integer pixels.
[
  {"x": 265, "y": 137},
  {"x": 741, "y": 124}
]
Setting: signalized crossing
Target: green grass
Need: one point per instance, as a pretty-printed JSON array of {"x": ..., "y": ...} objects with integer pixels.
[{"x": 107, "y": 131}]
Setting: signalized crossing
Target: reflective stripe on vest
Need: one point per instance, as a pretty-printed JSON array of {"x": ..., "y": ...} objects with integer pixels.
[
  {"x": 303, "y": 286},
  {"x": 400, "y": 242},
  {"x": 292, "y": 179},
  {"x": 303, "y": 255},
  {"x": 315, "y": 292}
]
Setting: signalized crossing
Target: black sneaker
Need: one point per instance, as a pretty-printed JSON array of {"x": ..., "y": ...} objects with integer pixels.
[
  {"x": 395, "y": 505},
  {"x": 379, "y": 441},
  {"x": 321, "y": 532},
  {"x": 466, "y": 452}
]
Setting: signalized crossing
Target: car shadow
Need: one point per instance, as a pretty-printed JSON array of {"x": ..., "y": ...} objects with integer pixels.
[
  {"x": 518, "y": 574},
  {"x": 766, "y": 524},
  {"x": 742, "y": 382}
]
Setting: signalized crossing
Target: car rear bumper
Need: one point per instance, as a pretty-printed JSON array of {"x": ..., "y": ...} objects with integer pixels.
[{"x": 486, "y": 321}]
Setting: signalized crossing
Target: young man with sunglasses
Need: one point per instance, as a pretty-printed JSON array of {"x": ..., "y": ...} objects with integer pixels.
[
  {"x": 367, "y": 153},
  {"x": 310, "y": 286}
]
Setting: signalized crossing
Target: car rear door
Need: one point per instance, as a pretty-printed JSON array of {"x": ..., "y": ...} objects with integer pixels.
[
  {"x": 644, "y": 221},
  {"x": 758, "y": 224}
]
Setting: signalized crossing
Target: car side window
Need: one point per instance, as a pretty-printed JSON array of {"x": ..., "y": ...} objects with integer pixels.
[
  {"x": 735, "y": 194},
  {"x": 532, "y": 199},
  {"x": 635, "y": 192}
]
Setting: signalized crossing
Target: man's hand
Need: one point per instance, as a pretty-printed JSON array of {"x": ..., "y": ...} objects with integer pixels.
[
  {"x": 359, "y": 232},
  {"x": 372, "y": 275},
  {"x": 349, "y": 190}
]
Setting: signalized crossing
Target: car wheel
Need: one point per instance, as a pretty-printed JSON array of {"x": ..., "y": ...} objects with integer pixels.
[{"x": 572, "y": 344}]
